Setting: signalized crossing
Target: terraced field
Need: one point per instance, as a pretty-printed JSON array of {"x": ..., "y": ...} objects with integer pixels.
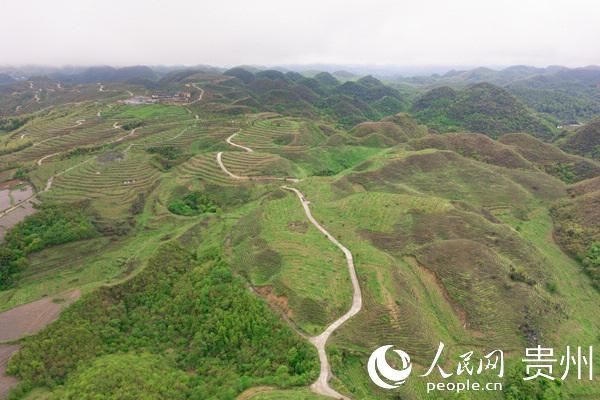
[
  {"x": 204, "y": 167},
  {"x": 79, "y": 136},
  {"x": 275, "y": 134},
  {"x": 258, "y": 164},
  {"x": 112, "y": 186},
  {"x": 279, "y": 249},
  {"x": 442, "y": 244}
]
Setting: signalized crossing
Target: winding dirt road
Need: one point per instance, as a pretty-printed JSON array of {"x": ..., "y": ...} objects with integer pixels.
[
  {"x": 321, "y": 385},
  {"x": 228, "y": 140},
  {"x": 41, "y": 160},
  {"x": 247, "y": 178},
  {"x": 200, "y": 96},
  {"x": 79, "y": 122},
  {"x": 251, "y": 178}
]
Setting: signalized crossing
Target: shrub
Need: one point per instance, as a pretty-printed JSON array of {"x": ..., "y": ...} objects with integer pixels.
[
  {"x": 193, "y": 203},
  {"x": 126, "y": 377},
  {"x": 591, "y": 263}
]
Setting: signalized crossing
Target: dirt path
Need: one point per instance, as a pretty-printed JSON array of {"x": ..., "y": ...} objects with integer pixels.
[
  {"x": 229, "y": 140},
  {"x": 119, "y": 139},
  {"x": 200, "y": 96},
  {"x": 222, "y": 166},
  {"x": 28, "y": 203},
  {"x": 253, "y": 391},
  {"x": 251, "y": 178},
  {"x": 41, "y": 160},
  {"x": 79, "y": 122},
  {"x": 321, "y": 385},
  {"x": 247, "y": 178}
]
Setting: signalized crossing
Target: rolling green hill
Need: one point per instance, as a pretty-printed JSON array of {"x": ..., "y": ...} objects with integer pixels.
[
  {"x": 482, "y": 108},
  {"x": 347, "y": 103},
  {"x": 569, "y": 95},
  {"x": 584, "y": 141},
  {"x": 203, "y": 276}
]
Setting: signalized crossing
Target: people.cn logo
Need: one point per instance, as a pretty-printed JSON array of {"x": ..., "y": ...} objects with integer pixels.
[{"x": 379, "y": 368}]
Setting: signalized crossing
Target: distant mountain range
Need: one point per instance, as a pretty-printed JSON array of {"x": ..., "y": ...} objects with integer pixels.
[
  {"x": 561, "y": 96},
  {"x": 569, "y": 95}
]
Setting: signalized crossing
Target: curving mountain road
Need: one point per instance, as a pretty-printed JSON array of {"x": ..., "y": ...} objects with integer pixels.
[
  {"x": 248, "y": 150},
  {"x": 200, "y": 96},
  {"x": 41, "y": 160},
  {"x": 228, "y": 140},
  {"x": 321, "y": 385},
  {"x": 222, "y": 166}
]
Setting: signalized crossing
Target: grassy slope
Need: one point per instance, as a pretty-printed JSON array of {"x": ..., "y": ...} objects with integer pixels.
[
  {"x": 397, "y": 289},
  {"x": 408, "y": 299}
]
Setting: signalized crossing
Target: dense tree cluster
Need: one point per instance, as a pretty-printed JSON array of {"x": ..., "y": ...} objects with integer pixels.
[
  {"x": 166, "y": 157},
  {"x": 515, "y": 388},
  {"x": 193, "y": 203},
  {"x": 132, "y": 124},
  {"x": 51, "y": 225},
  {"x": 10, "y": 124},
  {"x": 192, "y": 311},
  {"x": 126, "y": 377}
]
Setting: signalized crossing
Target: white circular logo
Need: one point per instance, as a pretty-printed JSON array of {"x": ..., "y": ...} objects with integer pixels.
[{"x": 378, "y": 367}]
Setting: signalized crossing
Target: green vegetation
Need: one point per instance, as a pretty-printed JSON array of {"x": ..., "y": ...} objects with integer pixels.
[
  {"x": 564, "y": 94},
  {"x": 197, "y": 285},
  {"x": 515, "y": 388},
  {"x": 287, "y": 258},
  {"x": 348, "y": 103},
  {"x": 126, "y": 377},
  {"x": 584, "y": 141},
  {"x": 191, "y": 204},
  {"x": 482, "y": 108},
  {"x": 132, "y": 124},
  {"x": 149, "y": 112},
  {"x": 167, "y": 157},
  {"x": 273, "y": 394},
  {"x": 194, "y": 312},
  {"x": 577, "y": 229},
  {"x": 50, "y": 226},
  {"x": 11, "y": 124},
  {"x": 591, "y": 263}
]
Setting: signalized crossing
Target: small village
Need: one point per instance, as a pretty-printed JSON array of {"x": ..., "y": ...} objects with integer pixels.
[{"x": 164, "y": 98}]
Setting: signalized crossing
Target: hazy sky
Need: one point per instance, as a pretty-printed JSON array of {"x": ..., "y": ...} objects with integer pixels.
[{"x": 267, "y": 32}]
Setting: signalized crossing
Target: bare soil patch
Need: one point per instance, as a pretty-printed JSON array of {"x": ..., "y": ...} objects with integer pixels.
[
  {"x": 12, "y": 218},
  {"x": 29, "y": 318}
]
